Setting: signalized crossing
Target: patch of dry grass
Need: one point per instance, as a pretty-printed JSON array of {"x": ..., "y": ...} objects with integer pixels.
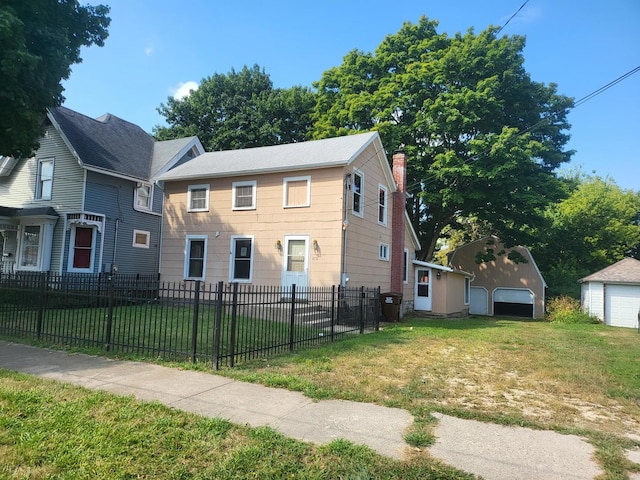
[{"x": 561, "y": 377}]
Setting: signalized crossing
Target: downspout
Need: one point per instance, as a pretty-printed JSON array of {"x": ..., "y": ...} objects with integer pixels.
[
  {"x": 115, "y": 243},
  {"x": 344, "y": 279}
]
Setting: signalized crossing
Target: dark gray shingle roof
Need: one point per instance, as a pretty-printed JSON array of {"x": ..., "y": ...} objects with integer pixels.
[
  {"x": 626, "y": 270},
  {"x": 107, "y": 143}
]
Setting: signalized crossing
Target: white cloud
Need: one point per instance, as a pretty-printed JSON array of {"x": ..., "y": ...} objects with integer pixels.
[{"x": 183, "y": 89}]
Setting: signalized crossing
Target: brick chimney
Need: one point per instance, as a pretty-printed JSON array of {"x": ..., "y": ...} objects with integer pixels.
[{"x": 397, "y": 223}]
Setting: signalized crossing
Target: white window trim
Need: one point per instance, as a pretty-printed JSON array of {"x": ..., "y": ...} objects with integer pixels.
[
  {"x": 200, "y": 186},
  {"x": 22, "y": 245},
  {"x": 286, "y": 180},
  {"x": 141, "y": 245},
  {"x": 141, "y": 208},
  {"x": 187, "y": 254},
  {"x": 405, "y": 279},
  {"x": 467, "y": 290},
  {"x": 251, "y": 183},
  {"x": 383, "y": 252},
  {"x": 43, "y": 262},
  {"x": 232, "y": 257},
  {"x": 357, "y": 213},
  {"x": 386, "y": 205},
  {"x": 38, "y": 192},
  {"x": 72, "y": 243}
]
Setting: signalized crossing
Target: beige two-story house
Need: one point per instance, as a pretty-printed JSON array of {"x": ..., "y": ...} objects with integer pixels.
[{"x": 318, "y": 213}]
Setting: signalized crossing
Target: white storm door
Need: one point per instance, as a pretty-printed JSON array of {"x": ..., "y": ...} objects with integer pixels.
[
  {"x": 295, "y": 268},
  {"x": 422, "y": 299}
]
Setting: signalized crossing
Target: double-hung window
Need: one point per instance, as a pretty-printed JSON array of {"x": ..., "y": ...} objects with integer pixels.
[
  {"x": 358, "y": 193},
  {"x": 383, "y": 253},
  {"x": 143, "y": 197},
  {"x": 195, "y": 259},
  {"x": 45, "y": 179},
  {"x": 296, "y": 192},
  {"x": 198, "y": 198},
  {"x": 241, "y": 267},
  {"x": 81, "y": 254},
  {"x": 244, "y": 195},
  {"x": 30, "y": 247},
  {"x": 382, "y": 205}
]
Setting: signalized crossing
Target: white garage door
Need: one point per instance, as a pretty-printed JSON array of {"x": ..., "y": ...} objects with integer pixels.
[
  {"x": 622, "y": 304},
  {"x": 513, "y": 295},
  {"x": 479, "y": 301}
]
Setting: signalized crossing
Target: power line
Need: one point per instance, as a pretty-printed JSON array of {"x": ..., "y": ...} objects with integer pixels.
[
  {"x": 511, "y": 17},
  {"x": 597, "y": 92}
]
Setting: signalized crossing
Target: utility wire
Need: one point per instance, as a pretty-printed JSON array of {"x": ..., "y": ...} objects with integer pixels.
[
  {"x": 512, "y": 16},
  {"x": 597, "y": 92}
]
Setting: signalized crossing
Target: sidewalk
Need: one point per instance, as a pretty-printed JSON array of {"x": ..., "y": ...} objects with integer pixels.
[{"x": 493, "y": 451}]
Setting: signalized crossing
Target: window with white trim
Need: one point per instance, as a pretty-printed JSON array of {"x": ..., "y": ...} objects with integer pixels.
[
  {"x": 44, "y": 186},
  {"x": 198, "y": 198},
  {"x": 296, "y": 192},
  {"x": 82, "y": 246},
  {"x": 405, "y": 266},
  {"x": 383, "y": 253},
  {"x": 243, "y": 195},
  {"x": 382, "y": 205},
  {"x": 358, "y": 193},
  {"x": 143, "y": 197},
  {"x": 141, "y": 238},
  {"x": 195, "y": 258},
  {"x": 30, "y": 247},
  {"x": 241, "y": 267}
]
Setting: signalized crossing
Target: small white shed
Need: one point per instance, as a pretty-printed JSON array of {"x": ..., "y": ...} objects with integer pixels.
[{"x": 613, "y": 293}]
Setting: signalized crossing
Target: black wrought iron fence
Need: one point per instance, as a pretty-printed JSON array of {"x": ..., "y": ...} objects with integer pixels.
[{"x": 140, "y": 315}]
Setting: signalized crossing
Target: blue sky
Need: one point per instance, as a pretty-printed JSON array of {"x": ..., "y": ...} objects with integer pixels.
[{"x": 157, "y": 46}]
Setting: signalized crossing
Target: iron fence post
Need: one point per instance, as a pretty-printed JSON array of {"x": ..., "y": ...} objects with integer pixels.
[
  {"x": 292, "y": 318},
  {"x": 111, "y": 291},
  {"x": 44, "y": 279},
  {"x": 333, "y": 310},
  {"x": 232, "y": 334},
  {"x": 216, "y": 327},
  {"x": 196, "y": 312},
  {"x": 376, "y": 308},
  {"x": 362, "y": 312}
]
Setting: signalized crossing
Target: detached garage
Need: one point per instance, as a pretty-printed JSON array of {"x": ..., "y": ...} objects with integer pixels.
[
  {"x": 501, "y": 286},
  {"x": 613, "y": 293}
]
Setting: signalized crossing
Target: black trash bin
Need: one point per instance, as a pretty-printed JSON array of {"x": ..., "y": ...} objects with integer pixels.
[{"x": 390, "y": 303}]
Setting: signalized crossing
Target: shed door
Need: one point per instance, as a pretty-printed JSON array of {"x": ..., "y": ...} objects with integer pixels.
[
  {"x": 622, "y": 304},
  {"x": 422, "y": 300},
  {"x": 479, "y": 302},
  {"x": 513, "y": 301}
]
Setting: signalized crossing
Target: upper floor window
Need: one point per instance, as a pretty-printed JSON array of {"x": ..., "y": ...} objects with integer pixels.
[
  {"x": 198, "y": 198},
  {"x": 244, "y": 195},
  {"x": 297, "y": 192},
  {"x": 144, "y": 194},
  {"x": 382, "y": 205},
  {"x": 45, "y": 179},
  {"x": 358, "y": 193}
]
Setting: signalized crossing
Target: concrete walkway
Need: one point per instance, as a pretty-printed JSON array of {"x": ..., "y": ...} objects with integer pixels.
[{"x": 493, "y": 451}]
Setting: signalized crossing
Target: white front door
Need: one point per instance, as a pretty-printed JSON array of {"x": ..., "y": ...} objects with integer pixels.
[
  {"x": 423, "y": 289},
  {"x": 295, "y": 266}
]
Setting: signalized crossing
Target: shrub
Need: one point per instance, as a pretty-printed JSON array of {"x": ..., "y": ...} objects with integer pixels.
[{"x": 565, "y": 309}]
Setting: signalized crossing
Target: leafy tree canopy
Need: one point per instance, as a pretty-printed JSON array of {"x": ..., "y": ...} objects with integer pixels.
[
  {"x": 40, "y": 41},
  {"x": 482, "y": 138},
  {"x": 597, "y": 225},
  {"x": 239, "y": 110}
]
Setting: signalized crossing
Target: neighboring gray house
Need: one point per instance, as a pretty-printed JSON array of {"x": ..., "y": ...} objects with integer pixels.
[
  {"x": 88, "y": 198},
  {"x": 613, "y": 293}
]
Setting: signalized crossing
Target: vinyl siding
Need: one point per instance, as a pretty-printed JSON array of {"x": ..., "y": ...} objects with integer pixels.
[
  {"x": 364, "y": 234},
  {"x": 268, "y": 223},
  {"x": 113, "y": 197}
]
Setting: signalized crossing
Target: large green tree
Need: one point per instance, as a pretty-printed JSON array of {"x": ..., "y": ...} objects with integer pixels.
[
  {"x": 597, "y": 225},
  {"x": 239, "y": 110},
  {"x": 482, "y": 138},
  {"x": 39, "y": 41}
]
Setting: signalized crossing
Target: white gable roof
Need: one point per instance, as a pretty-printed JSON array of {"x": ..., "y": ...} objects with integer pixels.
[{"x": 328, "y": 152}]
